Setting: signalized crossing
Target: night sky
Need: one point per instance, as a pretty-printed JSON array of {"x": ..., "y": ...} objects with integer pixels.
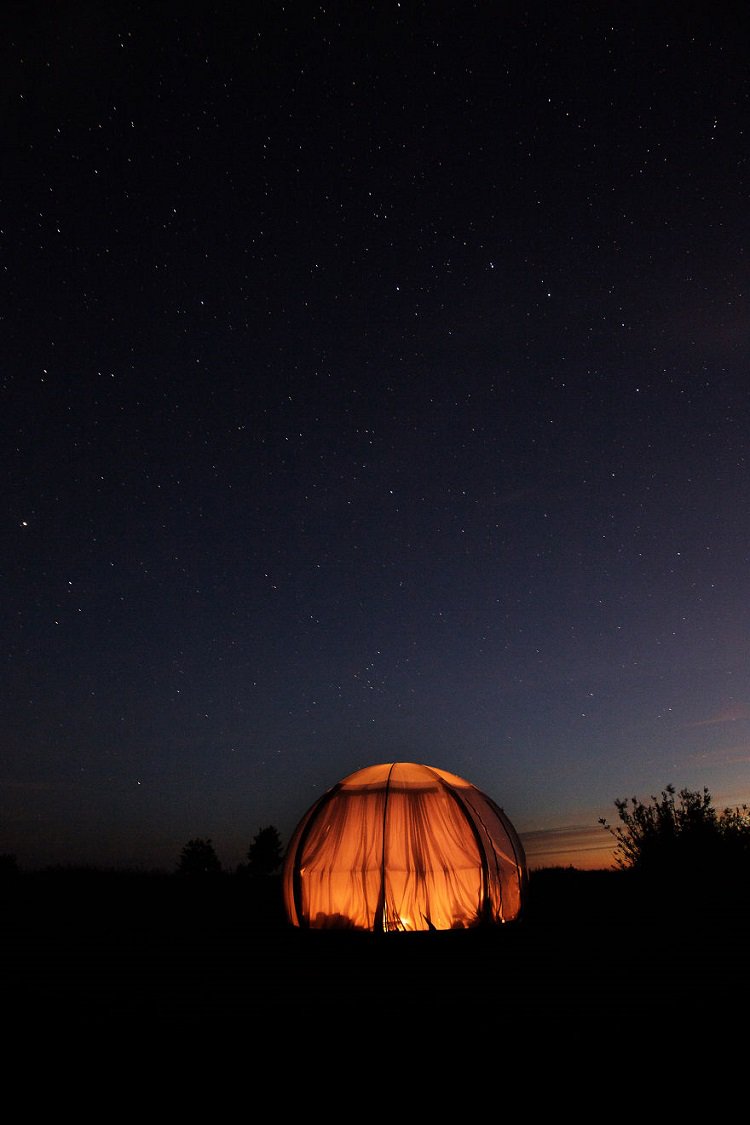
[{"x": 374, "y": 387}]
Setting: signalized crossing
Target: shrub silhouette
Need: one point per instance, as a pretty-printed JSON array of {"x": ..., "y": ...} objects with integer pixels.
[{"x": 680, "y": 841}]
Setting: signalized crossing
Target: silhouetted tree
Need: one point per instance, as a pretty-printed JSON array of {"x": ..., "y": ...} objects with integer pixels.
[
  {"x": 265, "y": 854},
  {"x": 198, "y": 858}
]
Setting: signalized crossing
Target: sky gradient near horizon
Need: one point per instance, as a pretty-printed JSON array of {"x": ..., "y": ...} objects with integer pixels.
[{"x": 373, "y": 387}]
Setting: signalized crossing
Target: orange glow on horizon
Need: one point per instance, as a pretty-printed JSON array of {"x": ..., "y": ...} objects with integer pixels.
[{"x": 587, "y": 848}]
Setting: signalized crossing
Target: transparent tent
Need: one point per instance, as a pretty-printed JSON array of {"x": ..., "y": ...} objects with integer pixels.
[{"x": 401, "y": 846}]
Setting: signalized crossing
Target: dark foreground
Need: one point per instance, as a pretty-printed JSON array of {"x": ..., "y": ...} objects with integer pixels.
[{"x": 161, "y": 954}]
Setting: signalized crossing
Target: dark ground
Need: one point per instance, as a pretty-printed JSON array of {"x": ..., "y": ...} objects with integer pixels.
[{"x": 102, "y": 954}]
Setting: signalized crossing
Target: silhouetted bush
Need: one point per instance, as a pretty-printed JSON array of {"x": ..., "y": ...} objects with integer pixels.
[{"x": 684, "y": 852}]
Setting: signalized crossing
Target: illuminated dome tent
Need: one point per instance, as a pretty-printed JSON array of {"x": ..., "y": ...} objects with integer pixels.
[{"x": 401, "y": 846}]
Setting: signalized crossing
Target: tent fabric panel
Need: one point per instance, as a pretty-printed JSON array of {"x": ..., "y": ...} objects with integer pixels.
[
  {"x": 505, "y": 854},
  {"x": 433, "y": 869},
  {"x": 340, "y": 864}
]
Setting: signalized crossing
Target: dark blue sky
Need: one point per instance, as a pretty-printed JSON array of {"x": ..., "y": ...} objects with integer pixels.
[{"x": 373, "y": 387}]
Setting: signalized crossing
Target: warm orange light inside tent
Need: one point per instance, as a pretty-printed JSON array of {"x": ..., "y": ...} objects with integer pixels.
[{"x": 402, "y": 846}]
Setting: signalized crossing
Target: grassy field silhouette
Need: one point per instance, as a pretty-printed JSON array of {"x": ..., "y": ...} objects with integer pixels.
[{"x": 151, "y": 949}]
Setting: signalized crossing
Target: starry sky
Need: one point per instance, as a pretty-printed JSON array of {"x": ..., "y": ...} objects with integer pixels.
[{"x": 373, "y": 387}]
